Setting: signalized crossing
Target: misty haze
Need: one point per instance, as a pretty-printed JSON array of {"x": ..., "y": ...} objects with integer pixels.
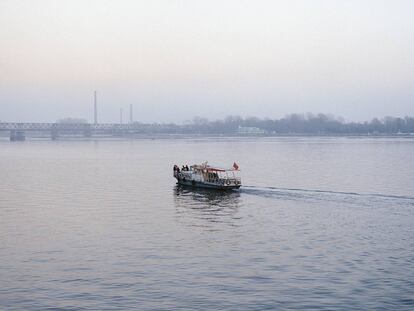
[
  {"x": 206, "y": 155},
  {"x": 175, "y": 60}
]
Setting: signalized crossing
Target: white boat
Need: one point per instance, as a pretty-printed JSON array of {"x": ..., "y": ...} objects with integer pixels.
[{"x": 206, "y": 176}]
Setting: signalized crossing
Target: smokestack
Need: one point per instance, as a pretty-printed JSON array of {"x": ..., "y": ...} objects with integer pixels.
[
  {"x": 120, "y": 116},
  {"x": 95, "y": 107},
  {"x": 131, "y": 116}
]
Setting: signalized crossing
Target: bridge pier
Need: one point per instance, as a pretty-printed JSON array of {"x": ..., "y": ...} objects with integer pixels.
[
  {"x": 87, "y": 132},
  {"x": 54, "y": 134},
  {"x": 16, "y": 135}
]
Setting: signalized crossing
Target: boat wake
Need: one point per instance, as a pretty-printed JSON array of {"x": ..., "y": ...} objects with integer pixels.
[{"x": 323, "y": 195}]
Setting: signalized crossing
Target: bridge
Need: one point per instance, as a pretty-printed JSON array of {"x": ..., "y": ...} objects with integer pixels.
[{"x": 18, "y": 130}]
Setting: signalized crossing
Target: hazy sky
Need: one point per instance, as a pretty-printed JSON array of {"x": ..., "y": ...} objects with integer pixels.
[{"x": 178, "y": 59}]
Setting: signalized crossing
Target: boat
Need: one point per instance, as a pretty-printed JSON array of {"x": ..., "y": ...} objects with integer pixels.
[{"x": 206, "y": 176}]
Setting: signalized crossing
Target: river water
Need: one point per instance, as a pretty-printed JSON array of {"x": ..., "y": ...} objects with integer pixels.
[{"x": 320, "y": 223}]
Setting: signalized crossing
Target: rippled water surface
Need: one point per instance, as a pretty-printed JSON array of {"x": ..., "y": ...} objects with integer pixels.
[{"x": 321, "y": 223}]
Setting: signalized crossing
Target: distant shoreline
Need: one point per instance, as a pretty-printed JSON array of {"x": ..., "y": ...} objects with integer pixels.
[{"x": 33, "y": 137}]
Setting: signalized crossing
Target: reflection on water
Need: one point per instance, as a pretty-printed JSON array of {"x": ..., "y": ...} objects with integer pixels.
[{"x": 207, "y": 205}]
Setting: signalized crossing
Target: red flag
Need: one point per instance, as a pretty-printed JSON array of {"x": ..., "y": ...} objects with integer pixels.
[{"x": 236, "y": 167}]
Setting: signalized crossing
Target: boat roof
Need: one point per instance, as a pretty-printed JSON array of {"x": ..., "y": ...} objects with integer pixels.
[{"x": 211, "y": 168}]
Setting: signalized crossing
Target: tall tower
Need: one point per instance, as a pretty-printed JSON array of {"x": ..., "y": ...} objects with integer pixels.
[
  {"x": 131, "y": 116},
  {"x": 95, "y": 109},
  {"x": 120, "y": 115}
]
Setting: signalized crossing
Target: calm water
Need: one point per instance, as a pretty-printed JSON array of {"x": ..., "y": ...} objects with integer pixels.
[{"x": 322, "y": 223}]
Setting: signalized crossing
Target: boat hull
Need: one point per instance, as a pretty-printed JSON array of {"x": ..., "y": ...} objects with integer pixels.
[{"x": 198, "y": 184}]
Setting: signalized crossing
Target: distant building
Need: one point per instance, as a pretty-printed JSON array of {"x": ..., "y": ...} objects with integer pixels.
[{"x": 250, "y": 130}]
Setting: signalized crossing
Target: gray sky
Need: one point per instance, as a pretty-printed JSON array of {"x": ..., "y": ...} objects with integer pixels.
[{"x": 178, "y": 59}]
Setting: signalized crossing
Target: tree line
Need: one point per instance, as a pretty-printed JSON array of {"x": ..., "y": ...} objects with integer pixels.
[{"x": 303, "y": 124}]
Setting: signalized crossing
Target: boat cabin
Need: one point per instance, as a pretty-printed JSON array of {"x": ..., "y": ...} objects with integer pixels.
[{"x": 207, "y": 176}]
